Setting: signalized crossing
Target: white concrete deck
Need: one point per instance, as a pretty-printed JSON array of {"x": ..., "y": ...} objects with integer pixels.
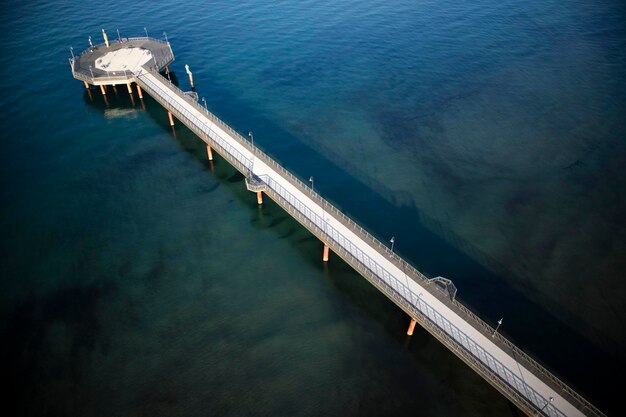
[
  {"x": 125, "y": 59},
  {"x": 482, "y": 347}
]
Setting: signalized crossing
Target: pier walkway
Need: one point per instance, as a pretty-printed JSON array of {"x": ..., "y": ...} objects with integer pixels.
[
  {"x": 508, "y": 369},
  {"x": 429, "y": 302}
]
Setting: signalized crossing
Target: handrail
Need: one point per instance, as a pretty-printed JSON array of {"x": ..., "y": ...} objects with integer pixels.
[
  {"x": 311, "y": 220},
  {"x": 405, "y": 304}
]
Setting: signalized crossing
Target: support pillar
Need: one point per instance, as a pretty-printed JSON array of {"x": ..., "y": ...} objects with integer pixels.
[
  {"x": 411, "y": 328},
  {"x": 209, "y": 152},
  {"x": 130, "y": 90},
  {"x": 86, "y": 85},
  {"x": 103, "y": 89},
  {"x": 169, "y": 115},
  {"x": 326, "y": 249},
  {"x": 259, "y": 197},
  {"x": 139, "y": 91}
]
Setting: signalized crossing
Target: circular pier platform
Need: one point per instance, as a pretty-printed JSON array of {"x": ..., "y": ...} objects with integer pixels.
[{"x": 116, "y": 63}]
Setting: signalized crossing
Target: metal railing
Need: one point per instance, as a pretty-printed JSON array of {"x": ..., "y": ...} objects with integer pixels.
[{"x": 466, "y": 348}]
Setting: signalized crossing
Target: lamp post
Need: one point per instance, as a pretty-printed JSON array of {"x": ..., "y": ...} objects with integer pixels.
[
  {"x": 204, "y": 101},
  {"x": 145, "y": 30},
  {"x": 312, "y": 181},
  {"x": 544, "y": 406},
  {"x": 497, "y": 327},
  {"x": 119, "y": 38},
  {"x": 72, "y": 52},
  {"x": 253, "y": 152},
  {"x": 393, "y": 241},
  {"x": 165, "y": 34}
]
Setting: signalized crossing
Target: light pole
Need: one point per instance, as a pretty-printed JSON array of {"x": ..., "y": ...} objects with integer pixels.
[
  {"x": 393, "y": 241},
  {"x": 72, "y": 52},
  {"x": 544, "y": 406},
  {"x": 165, "y": 34},
  {"x": 312, "y": 181},
  {"x": 204, "y": 100},
  {"x": 119, "y": 38},
  {"x": 497, "y": 327},
  {"x": 252, "y": 140},
  {"x": 145, "y": 30}
]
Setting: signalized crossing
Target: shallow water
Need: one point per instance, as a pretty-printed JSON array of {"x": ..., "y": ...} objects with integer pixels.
[{"x": 487, "y": 137}]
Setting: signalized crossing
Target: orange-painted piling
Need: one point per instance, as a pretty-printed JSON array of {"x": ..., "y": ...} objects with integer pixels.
[{"x": 411, "y": 328}]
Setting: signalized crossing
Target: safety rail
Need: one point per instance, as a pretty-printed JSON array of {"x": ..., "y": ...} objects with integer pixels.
[
  {"x": 385, "y": 287},
  {"x": 435, "y": 323},
  {"x": 395, "y": 289},
  {"x": 468, "y": 350}
]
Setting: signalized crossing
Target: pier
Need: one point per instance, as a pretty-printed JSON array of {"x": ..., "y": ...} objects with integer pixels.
[{"x": 429, "y": 302}]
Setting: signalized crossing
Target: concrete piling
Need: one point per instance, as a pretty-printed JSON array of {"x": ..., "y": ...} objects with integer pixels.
[{"x": 409, "y": 332}]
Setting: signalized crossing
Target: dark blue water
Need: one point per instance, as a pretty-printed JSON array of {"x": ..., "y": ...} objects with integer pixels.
[{"x": 487, "y": 137}]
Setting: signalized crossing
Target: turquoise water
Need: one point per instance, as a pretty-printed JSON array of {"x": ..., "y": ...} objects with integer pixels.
[{"x": 138, "y": 279}]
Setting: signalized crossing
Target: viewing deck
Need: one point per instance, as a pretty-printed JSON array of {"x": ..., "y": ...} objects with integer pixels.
[{"x": 430, "y": 302}]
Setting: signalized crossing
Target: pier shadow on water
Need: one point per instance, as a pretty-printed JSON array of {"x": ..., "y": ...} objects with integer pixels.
[{"x": 529, "y": 325}]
